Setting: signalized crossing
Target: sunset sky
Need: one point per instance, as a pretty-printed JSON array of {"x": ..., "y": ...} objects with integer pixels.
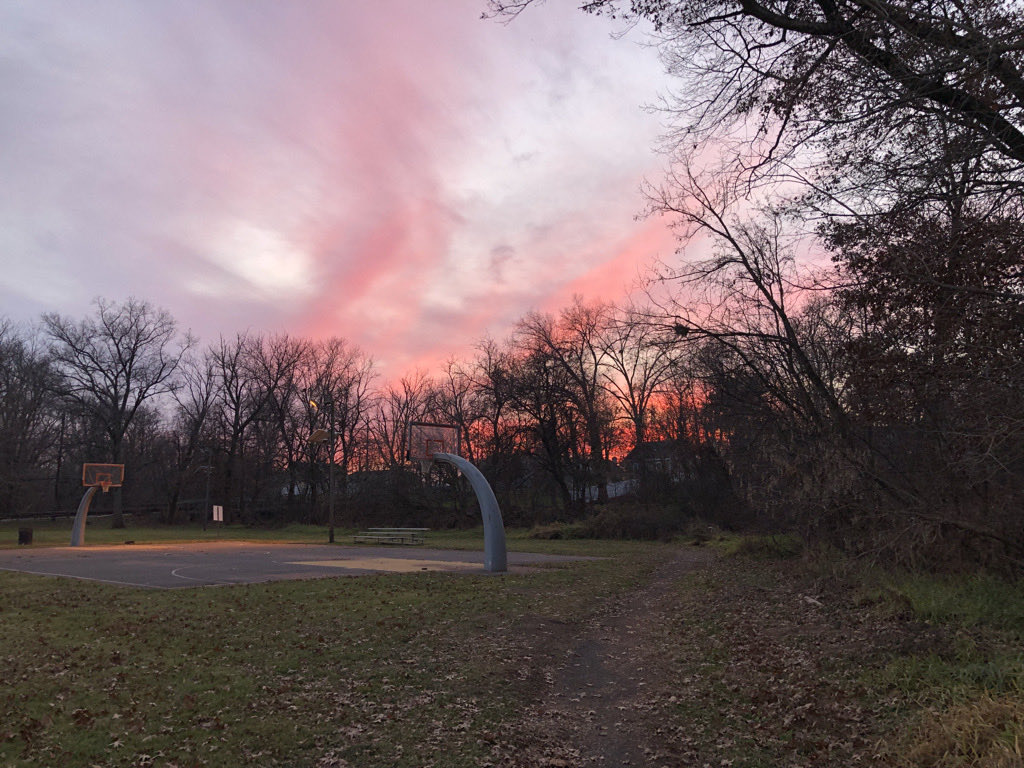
[{"x": 402, "y": 174}]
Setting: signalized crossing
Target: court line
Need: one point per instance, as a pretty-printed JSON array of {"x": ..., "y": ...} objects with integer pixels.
[
  {"x": 85, "y": 578},
  {"x": 177, "y": 575}
]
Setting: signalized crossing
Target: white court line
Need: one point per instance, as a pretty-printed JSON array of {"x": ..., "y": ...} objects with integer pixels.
[
  {"x": 85, "y": 578},
  {"x": 177, "y": 575}
]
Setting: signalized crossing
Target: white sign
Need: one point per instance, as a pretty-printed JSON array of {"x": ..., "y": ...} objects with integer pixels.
[{"x": 218, "y": 513}]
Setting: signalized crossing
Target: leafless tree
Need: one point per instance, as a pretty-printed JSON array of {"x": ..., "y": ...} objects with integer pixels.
[
  {"x": 194, "y": 401},
  {"x": 28, "y": 417},
  {"x": 535, "y": 390},
  {"x": 113, "y": 362},
  {"x": 456, "y": 400},
  {"x": 250, "y": 371},
  {"x": 336, "y": 382},
  {"x": 398, "y": 405},
  {"x": 838, "y": 90},
  {"x": 574, "y": 344},
  {"x": 637, "y": 364}
]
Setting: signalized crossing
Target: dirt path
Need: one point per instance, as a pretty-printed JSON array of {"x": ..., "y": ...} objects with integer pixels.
[
  {"x": 594, "y": 714},
  {"x": 749, "y": 662}
]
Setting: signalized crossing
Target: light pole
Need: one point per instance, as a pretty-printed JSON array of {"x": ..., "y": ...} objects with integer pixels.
[
  {"x": 329, "y": 402},
  {"x": 318, "y": 436},
  {"x": 208, "y": 469}
]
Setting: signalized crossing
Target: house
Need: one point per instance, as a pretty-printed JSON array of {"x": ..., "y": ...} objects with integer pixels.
[{"x": 671, "y": 457}]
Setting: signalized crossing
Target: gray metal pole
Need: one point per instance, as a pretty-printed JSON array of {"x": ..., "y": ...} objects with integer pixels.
[
  {"x": 78, "y": 529},
  {"x": 206, "y": 496},
  {"x": 495, "y": 552}
]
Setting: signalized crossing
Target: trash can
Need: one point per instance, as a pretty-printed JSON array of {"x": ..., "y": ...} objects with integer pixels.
[{"x": 24, "y": 535}]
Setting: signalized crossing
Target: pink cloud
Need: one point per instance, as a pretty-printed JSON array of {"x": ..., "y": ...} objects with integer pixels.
[{"x": 398, "y": 173}]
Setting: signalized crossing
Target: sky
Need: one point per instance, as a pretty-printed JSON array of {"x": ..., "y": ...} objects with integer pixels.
[{"x": 405, "y": 175}]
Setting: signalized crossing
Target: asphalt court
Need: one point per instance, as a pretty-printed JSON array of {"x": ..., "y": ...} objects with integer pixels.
[{"x": 172, "y": 566}]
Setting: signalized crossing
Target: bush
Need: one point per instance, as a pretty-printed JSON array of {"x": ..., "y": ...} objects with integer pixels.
[
  {"x": 558, "y": 531},
  {"x": 773, "y": 547},
  {"x": 616, "y": 522},
  {"x": 645, "y": 523}
]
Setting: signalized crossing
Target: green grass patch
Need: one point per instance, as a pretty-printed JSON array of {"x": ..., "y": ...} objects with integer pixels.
[
  {"x": 984, "y": 619},
  {"x": 770, "y": 547},
  {"x": 524, "y": 540},
  {"x": 963, "y": 701},
  {"x": 967, "y": 601},
  {"x": 46, "y": 533}
]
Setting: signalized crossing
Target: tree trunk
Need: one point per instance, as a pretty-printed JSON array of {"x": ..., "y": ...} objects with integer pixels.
[{"x": 118, "y": 520}]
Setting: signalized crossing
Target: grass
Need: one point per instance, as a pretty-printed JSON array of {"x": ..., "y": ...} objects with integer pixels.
[
  {"x": 865, "y": 665},
  {"x": 969, "y": 692},
  {"x": 768, "y": 660},
  {"x": 389, "y": 670},
  {"x": 972, "y": 601},
  {"x": 57, "y": 533},
  {"x": 770, "y": 546},
  {"x": 984, "y": 732}
]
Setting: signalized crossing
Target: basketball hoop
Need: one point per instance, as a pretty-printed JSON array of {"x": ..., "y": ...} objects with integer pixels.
[
  {"x": 427, "y": 443},
  {"x": 103, "y": 476},
  {"x": 425, "y": 439}
]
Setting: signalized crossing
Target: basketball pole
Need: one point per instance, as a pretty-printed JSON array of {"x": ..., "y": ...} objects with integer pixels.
[
  {"x": 495, "y": 553},
  {"x": 78, "y": 529}
]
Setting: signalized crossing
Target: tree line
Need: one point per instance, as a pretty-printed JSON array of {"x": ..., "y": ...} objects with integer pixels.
[{"x": 548, "y": 413}]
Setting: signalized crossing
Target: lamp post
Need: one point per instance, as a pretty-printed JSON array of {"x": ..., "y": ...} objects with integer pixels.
[
  {"x": 328, "y": 401},
  {"x": 208, "y": 469}
]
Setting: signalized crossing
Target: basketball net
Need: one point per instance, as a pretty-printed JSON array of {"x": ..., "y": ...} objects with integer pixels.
[{"x": 425, "y": 466}]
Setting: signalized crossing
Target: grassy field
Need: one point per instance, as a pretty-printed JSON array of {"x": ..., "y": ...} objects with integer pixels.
[
  {"x": 762, "y": 658},
  {"x": 384, "y": 670}
]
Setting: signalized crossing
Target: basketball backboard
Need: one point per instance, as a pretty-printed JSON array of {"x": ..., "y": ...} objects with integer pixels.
[
  {"x": 425, "y": 439},
  {"x": 106, "y": 476}
]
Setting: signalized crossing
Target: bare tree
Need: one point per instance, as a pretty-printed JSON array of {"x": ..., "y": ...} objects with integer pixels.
[
  {"x": 113, "y": 362},
  {"x": 837, "y": 91},
  {"x": 638, "y": 363},
  {"x": 194, "y": 402},
  {"x": 397, "y": 406},
  {"x": 575, "y": 346},
  {"x": 747, "y": 297},
  {"x": 28, "y": 417},
  {"x": 456, "y": 400},
  {"x": 534, "y": 390},
  {"x": 250, "y": 373},
  {"x": 341, "y": 374}
]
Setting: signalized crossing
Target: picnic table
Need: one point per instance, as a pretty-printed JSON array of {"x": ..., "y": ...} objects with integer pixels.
[{"x": 390, "y": 536}]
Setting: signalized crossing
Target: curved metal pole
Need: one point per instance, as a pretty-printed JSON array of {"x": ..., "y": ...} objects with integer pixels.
[
  {"x": 495, "y": 554},
  {"x": 78, "y": 529}
]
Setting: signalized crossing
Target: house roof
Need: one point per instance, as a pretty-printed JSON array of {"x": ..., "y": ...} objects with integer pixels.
[{"x": 655, "y": 449}]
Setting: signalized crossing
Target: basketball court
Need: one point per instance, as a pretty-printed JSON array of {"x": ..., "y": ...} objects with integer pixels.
[
  {"x": 171, "y": 566},
  {"x": 163, "y": 566}
]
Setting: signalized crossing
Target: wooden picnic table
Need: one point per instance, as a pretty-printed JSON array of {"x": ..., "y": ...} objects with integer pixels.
[{"x": 390, "y": 536}]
